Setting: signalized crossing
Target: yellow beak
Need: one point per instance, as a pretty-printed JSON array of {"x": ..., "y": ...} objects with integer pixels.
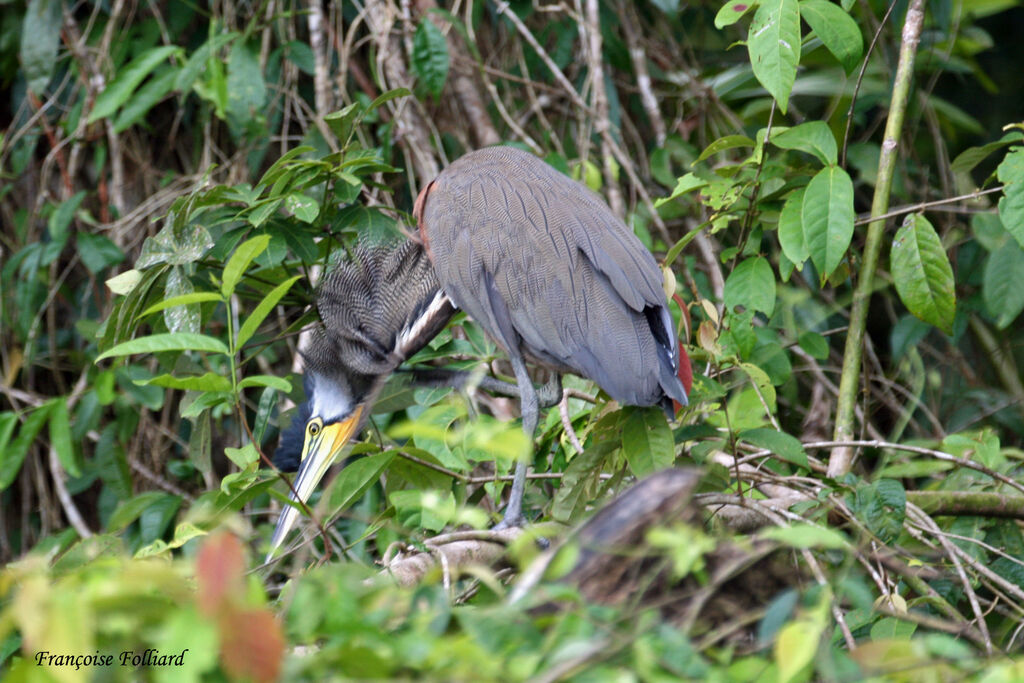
[{"x": 319, "y": 452}]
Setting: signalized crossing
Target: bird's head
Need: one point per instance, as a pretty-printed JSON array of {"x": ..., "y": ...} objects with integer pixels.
[
  {"x": 378, "y": 309},
  {"x": 336, "y": 406}
]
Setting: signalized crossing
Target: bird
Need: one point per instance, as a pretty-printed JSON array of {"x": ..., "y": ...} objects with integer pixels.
[
  {"x": 536, "y": 259},
  {"x": 377, "y": 308}
]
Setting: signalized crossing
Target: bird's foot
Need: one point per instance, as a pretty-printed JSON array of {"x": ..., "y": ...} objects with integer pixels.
[{"x": 511, "y": 522}]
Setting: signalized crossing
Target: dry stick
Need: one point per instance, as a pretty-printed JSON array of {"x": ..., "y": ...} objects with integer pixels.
[
  {"x": 841, "y": 458},
  {"x": 935, "y": 203},
  {"x": 627, "y": 11},
  {"x": 602, "y": 124}
]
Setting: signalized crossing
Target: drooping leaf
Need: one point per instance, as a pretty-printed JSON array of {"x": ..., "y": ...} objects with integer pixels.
[
  {"x": 646, "y": 440},
  {"x": 128, "y": 78},
  {"x": 813, "y": 137},
  {"x": 1001, "y": 286},
  {"x": 262, "y": 310},
  {"x": 837, "y": 30},
  {"x": 13, "y": 455},
  {"x": 236, "y": 266},
  {"x": 784, "y": 445},
  {"x": 40, "y": 38},
  {"x": 774, "y": 46},
  {"x": 827, "y": 217},
  {"x": 185, "y": 318},
  {"x": 156, "y": 89},
  {"x": 1011, "y": 204},
  {"x": 791, "y": 229},
  {"x": 752, "y": 285},
  {"x": 922, "y": 273},
  {"x": 60, "y": 436},
  {"x": 430, "y": 56}
]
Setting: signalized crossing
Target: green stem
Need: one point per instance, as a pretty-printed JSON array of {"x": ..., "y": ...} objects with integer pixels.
[{"x": 841, "y": 458}]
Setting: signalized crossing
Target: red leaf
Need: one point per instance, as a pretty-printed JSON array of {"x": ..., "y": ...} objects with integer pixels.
[
  {"x": 252, "y": 645},
  {"x": 220, "y": 572}
]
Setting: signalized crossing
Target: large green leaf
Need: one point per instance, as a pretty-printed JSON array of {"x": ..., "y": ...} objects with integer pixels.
[
  {"x": 245, "y": 254},
  {"x": 922, "y": 273},
  {"x": 430, "y": 56},
  {"x": 791, "y": 229},
  {"x": 827, "y": 217},
  {"x": 646, "y": 440},
  {"x": 13, "y": 455},
  {"x": 262, "y": 310},
  {"x": 774, "y": 46},
  {"x": 158, "y": 87},
  {"x": 813, "y": 137},
  {"x": 752, "y": 285},
  {"x": 784, "y": 445},
  {"x": 1001, "y": 287},
  {"x": 837, "y": 30},
  {"x": 731, "y": 11},
  {"x": 157, "y": 343},
  {"x": 60, "y": 436},
  {"x": 40, "y": 38},
  {"x": 1011, "y": 205},
  {"x": 122, "y": 87}
]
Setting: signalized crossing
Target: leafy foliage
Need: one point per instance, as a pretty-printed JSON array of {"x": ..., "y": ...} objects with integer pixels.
[{"x": 175, "y": 181}]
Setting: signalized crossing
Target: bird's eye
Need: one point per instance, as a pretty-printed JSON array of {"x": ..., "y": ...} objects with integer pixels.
[{"x": 314, "y": 429}]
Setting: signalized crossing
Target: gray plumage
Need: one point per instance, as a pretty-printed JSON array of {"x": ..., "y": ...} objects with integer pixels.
[
  {"x": 371, "y": 305},
  {"x": 378, "y": 308},
  {"x": 542, "y": 264}
]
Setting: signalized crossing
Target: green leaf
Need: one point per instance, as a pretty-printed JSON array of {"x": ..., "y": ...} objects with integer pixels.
[
  {"x": 791, "y": 229},
  {"x": 647, "y": 440},
  {"x": 1011, "y": 204},
  {"x": 722, "y": 144},
  {"x": 813, "y": 137},
  {"x": 386, "y": 97},
  {"x": 752, "y": 285},
  {"x": 837, "y": 30},
  {"x": 193, "y": 298},
  {"x": 128, "y": 511},
  {"x": 305, "y": 208},
  {"x": 774, "y": 46},
  {"x": 262, "y": 310},
  {"x": 40, "y": 39},
  {"x": 197, "y": 62},
  {"x": 97, "y": 251},
  {"x": 146, "y": 98},
  {"x": 60, "y": 436},
  {"x": 881, "y": 506},
  {"x": 972, "y": 156},
  {"x": 356, "y": 478},
  {"x": 794, "y": 649},
  {"x": 784, "y": 445},
  {"x": 180, "y": 319},
  {"x": 271, "y": 381},
  {"x": 125, "y": 282},
  {"x": 247, "y": 91},
  {"x": 157, "y": 343},
  {"x": 922, "y": 273},
  {"x": 244, "y": 456},
  {"x": 814, "y": 344},
  {"x": 245, "y": 254},
  {"x": 430, "y": 56},
  {"x": 209, "y": 381},
  {"x": 1001, "y": 286},
  {"x": 807, "y": 536},
  {"x": 731, "y": 12},
  {"x": 12, "y": 457},
  {"x": 827, "y": 217},
  {"x": 122, "y": 87},
  {"x": 684, "y": 185}
]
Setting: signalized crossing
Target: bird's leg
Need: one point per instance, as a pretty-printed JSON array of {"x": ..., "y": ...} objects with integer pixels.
[{"x": 529, "y": 408}]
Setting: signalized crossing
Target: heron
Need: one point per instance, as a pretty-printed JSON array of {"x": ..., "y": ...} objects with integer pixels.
[{"x": 538, "y": 260}]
